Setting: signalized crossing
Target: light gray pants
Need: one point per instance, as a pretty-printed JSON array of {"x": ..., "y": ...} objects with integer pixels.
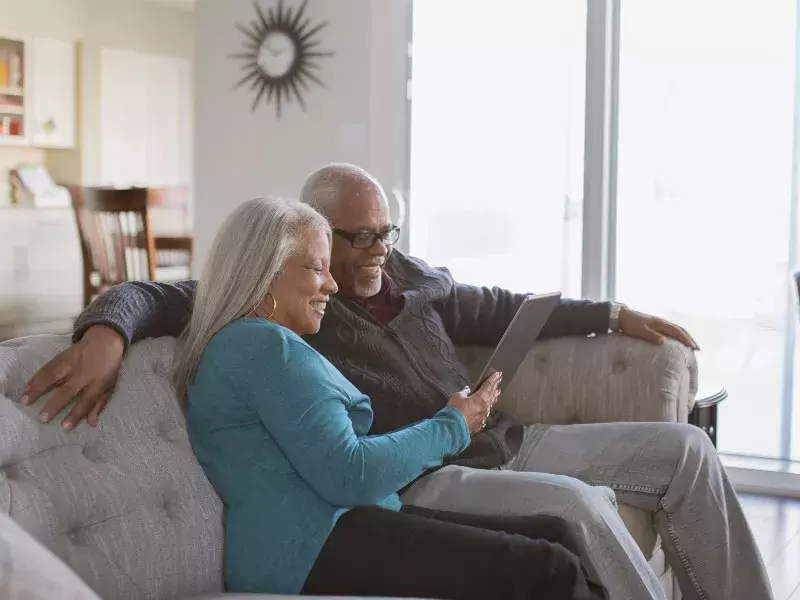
[{"x": 670, "y": 469}]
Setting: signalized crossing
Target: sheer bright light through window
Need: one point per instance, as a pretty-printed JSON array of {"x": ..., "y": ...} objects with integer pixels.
[
  {"x": 497, "y": 140},
  {"x": 704, "y": 192}
]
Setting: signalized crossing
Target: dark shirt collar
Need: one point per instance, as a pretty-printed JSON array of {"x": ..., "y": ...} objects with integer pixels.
[{"x": 383, "y": 306}]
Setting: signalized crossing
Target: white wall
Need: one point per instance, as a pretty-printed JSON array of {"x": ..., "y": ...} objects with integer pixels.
[
  {"x": 129, "y": 25},
  {"x": 125, "y": 24},
  {"x": 240, "y": 154}
]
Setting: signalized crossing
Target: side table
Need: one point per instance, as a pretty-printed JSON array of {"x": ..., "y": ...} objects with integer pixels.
[{"x": 704, "y": 414}]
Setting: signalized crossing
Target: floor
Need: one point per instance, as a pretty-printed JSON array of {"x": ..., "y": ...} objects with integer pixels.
[{"x": 776, "y": 526}]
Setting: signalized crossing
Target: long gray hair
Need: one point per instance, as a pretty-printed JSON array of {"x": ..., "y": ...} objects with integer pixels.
[{"x": 249, "y": 252}]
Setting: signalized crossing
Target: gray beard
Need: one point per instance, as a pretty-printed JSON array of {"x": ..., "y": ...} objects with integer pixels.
[{"x": 367, "y": 290}]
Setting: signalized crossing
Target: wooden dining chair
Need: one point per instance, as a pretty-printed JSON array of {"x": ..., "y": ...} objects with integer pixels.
[
  {"x": 116, "y": 238},
  {"x": 173, "y": 246}
]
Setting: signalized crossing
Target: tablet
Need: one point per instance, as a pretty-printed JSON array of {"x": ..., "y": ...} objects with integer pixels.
[{"x": 519, "y": 337}]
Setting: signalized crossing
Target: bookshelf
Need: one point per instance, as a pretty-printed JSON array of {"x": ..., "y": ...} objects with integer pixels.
[{"x": 12, "y": 90}]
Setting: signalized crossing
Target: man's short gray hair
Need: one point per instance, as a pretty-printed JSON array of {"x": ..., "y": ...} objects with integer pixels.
[{"x": 323, "y": 188}]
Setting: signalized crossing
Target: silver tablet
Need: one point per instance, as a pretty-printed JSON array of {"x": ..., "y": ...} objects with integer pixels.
[{"x": 519, "y": 337}]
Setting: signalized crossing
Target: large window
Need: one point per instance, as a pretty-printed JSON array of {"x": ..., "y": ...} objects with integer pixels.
[
  {"x": 696, "y": 218},
  {"x": 497, "y": 140},
  {"x": 706, "y": 109}
]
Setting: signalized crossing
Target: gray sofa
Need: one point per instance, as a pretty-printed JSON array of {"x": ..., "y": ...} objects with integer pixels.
[{"x": 127, "y": 508}]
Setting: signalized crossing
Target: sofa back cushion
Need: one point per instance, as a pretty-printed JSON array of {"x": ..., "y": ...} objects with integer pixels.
[
  {"x": 28, "y": 571},
  {"x": 125, "y": 505}
]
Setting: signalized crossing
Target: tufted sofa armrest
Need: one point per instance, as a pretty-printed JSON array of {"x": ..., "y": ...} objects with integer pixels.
[
  {"x": 126, "y": 505},
  {"x": 598, "y": 379}
]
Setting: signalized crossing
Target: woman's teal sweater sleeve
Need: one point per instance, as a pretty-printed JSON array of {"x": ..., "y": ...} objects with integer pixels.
[{"x": 307, "y": 407}]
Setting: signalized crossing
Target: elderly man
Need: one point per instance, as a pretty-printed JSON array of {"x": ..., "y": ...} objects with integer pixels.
[{"x": 392, "y": 330}]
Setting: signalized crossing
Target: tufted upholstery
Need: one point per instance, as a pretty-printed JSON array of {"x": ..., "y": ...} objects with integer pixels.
[
  {"x": 598, "y": 380},
  {"x": 28, "y": 571},
  {"x": 128, "y": 508},
  {"x": 604, "y": 379},
  {"x": 125, "y": 505}
]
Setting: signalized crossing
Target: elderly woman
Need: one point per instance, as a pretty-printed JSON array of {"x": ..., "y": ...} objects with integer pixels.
[{"x": 310, "y": 498}]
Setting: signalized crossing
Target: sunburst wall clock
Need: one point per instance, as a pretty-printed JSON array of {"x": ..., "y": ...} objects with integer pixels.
[{"x": 281, "y": 54}]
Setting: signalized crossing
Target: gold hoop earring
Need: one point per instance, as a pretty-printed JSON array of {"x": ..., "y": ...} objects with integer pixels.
[
  {"x": 274, "y": 306},
  {"x": 269, "y": 316}
]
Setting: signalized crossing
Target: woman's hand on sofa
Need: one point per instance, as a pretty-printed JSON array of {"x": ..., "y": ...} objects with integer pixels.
[{"x": 86, "y": 372}]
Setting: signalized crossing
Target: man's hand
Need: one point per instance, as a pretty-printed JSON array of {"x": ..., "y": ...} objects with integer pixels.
[
  {"x": 86, "y": 372},
  {"x": 652, "y": 329}
]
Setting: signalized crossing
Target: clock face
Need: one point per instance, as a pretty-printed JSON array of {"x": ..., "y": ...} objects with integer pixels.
[
  {"x": 277, "y": 54},
  {"x": 281, "y": 49}
]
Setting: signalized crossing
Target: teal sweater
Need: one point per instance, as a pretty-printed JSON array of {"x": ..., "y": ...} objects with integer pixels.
[{"x": 282, "y": 436}]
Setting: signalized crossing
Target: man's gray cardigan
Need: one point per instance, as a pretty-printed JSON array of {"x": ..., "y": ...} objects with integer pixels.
[{"x": 409, "y": 368}]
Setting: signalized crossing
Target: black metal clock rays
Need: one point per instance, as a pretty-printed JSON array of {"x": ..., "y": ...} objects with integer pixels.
[{"x": 281, "y": 55}]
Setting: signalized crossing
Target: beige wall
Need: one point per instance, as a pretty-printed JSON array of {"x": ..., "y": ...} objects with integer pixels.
[
  {"x": 240, "y": 154},
  {"x": 128, "y": 24}
]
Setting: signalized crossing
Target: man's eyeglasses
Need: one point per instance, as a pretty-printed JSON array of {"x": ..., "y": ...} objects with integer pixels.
[{"x": 365, "y": 240}]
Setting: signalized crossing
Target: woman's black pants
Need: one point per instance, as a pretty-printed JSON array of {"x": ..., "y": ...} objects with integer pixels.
[{"x": 422, "y": 553}]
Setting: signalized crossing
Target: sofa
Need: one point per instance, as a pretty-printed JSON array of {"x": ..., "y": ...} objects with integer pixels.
[{"x": 128, "y": 510}]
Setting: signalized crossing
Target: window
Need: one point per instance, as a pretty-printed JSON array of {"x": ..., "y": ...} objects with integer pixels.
[
  {"x": 695, "y": 212},
  {"x": 704, "y": 194},
  {"x": 497, "y": 140}
]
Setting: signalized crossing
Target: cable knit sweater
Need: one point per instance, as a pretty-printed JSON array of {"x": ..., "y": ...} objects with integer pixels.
[{"x": 409, "y": 368}]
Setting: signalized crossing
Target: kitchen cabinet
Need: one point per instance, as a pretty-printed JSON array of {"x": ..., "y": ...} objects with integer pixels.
[
  {"x": 13, "y": 91},
  {"x": 145, "y": 119},
  {"x": 51, "y": 122},
  {"x": 37, "y": 92}
]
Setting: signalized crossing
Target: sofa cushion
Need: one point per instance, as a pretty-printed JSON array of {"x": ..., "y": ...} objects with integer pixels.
[
  {"x": 640, "y": 525},
  {"x": 125, "y": 505},
  {"x": 28, "y": 571}
]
